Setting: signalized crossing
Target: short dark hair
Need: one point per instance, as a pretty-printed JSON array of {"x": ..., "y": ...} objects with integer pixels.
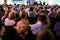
[
  {"x": 41, "y": 18},
  {"x": 31, "y": 8}
]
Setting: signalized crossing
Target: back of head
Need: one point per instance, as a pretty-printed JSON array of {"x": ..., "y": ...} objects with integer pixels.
[
  {"x": 44, "y": 19},
  {"x": 11, "y": 15},
  {"x": 31, "y": 8},
  {"x": 45, "y": 34}
]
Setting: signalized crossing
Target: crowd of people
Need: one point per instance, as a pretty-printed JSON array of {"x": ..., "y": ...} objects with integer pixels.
[{"x": 29, "y": 22}]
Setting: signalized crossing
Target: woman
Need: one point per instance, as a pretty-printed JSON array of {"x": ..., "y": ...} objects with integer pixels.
[
  {"x": 22, "y": 14},
  {"x": 9, "y": 21},
  {"x": 20, "y": 32}
]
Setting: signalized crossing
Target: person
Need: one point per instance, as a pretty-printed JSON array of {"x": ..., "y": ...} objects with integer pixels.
[
  {"x": 44, "y": 3},
  {"x": 53, "y": 13},
  {"x": 42, "y": 22},
  {"x": 57, "y": 29},
  {"x": 40, "y": 9},
  {"x": 45, "y": 34},
  {"x": 1, "y": 11},
  {"x": 4, "y": 17},
  {"x": 22, "y": 14},
  {"x": 36, "y": 8},
  {"x": 6, "y": 9},
  {"x": 27, "y": 9},
  {"x": 9, "y": 21},
  {"x": 52, "y": 16},
  {"x": 58, "y": 15},
  {"x": 40, "y": 3},
  {"x": 31, "y": 12},
  {"x": 2, "y": 30},
  {"x": 20, "y": 32},
  {"x": 32, "y": 15}
]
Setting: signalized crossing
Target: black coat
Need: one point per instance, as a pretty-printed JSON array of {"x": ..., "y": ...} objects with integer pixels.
[{"x": 13, "y": 35}]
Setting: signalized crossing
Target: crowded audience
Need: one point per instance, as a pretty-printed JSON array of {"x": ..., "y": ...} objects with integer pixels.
[{"x": 29, "y": 22}]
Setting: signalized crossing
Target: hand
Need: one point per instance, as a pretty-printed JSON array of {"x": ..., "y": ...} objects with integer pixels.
[{"x": 5, "y": 9}]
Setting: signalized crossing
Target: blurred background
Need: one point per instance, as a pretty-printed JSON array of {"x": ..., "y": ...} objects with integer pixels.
[{"x": 26, "y": 2}]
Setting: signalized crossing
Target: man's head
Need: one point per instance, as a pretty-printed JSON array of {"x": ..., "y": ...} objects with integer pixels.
[{"x": 22, "y": 25}]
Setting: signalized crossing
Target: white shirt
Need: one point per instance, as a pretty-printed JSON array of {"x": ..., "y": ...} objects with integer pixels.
[{"x": 9, "y": 22}]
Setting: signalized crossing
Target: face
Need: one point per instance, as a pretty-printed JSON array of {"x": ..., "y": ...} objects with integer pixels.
[
  {"x": 22, "y": 27},
  {"x": 20, "y": 14},
  {"x": 54, "y": 10},
  {"x": 58, "y": 10}
]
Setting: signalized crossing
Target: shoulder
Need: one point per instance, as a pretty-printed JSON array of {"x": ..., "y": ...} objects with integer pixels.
[
  {"x": 35, "y": 25},
  {"x": 6, "y": 19},
  {"x": 57, "y": 24}
]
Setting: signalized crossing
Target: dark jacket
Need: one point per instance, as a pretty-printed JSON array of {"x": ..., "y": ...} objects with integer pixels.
[{"x": 13, "y": 35}]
